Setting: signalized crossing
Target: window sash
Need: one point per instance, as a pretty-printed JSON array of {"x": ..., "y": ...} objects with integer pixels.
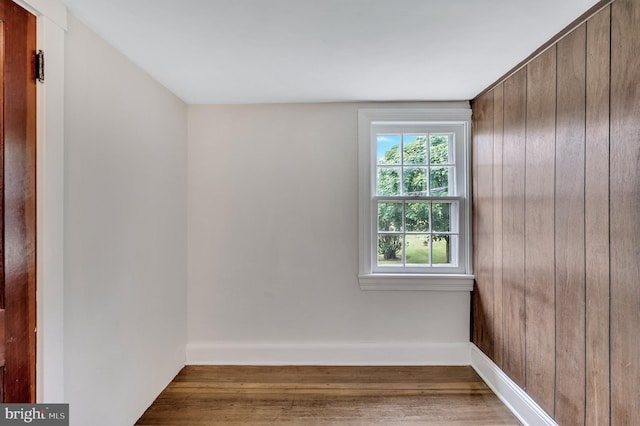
[
  {"x": 456, "y": 229},
  {"x": 456, "y": 178}
]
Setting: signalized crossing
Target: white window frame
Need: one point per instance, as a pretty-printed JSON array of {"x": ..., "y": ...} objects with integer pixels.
[{"x": 372, "y": 121}]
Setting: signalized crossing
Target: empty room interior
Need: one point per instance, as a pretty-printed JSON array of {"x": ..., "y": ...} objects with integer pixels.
[{"x": 427, "y": 197}]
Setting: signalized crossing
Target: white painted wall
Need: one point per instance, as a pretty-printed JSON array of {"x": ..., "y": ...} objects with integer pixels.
[
  {"x": 125, "y": 233},
  {"x": 273, "y": 247},
  {"x": 50, "y": 214}
]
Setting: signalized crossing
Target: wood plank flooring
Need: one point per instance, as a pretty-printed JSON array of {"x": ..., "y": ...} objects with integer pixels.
[{"x": 250, "y": 395}]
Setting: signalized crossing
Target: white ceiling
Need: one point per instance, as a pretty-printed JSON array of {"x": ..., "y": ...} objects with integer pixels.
[{"x": 266, "y": 51}]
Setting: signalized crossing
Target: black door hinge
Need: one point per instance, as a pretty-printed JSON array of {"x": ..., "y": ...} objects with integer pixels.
[{"x": 40, "y": 66}]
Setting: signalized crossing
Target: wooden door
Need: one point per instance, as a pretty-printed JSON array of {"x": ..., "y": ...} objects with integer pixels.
[{"x": 18, "y": 207}]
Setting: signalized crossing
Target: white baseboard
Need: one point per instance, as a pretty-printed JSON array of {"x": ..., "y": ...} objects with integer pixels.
[
  {"x": 516, "y": 400},
  {"x": 229, "y": 353}
]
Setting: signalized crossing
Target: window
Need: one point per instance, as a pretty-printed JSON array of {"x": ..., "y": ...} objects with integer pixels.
[{"x": 414, "y": 206}]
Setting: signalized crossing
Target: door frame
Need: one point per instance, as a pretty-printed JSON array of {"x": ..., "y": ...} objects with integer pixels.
[{"x": 51, "y": 24}]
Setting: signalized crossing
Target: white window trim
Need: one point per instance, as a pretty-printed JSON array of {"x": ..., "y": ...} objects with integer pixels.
[{"x": 450, "y": 113}]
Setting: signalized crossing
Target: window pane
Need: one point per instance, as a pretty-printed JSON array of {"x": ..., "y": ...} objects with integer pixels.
[
  {"x": 417, "y": 249},
  {"x": 441, "y": 217},
  {"x": 389, "y": 217},
  {"x": 417, "y": 217},
  {"x": 439, "y": 180},
  {"x": 414, "y": 149},
  {"x": 388, "y": 181},
  {"x": 445, "y": 248},
  {"x": 439, "y": 149},
  {"x": 415, "y": 180},
  {"x": 389, "y": 249},
  {"x": 388, "y": 150}
]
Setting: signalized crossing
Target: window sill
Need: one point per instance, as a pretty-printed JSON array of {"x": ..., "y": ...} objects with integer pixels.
[{"x": 434, "y": 282}]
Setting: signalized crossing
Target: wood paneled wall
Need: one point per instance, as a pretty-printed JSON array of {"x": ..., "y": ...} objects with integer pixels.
[{"x": 556, "y": 222}]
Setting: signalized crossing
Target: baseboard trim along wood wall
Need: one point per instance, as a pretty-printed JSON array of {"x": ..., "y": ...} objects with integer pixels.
[
  {"x": 231, "y": 353},
  {"x": 515, "y": 398}
]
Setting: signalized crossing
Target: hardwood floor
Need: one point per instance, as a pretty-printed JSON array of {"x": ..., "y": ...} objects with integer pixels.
[{"x": 249, "y": 395}]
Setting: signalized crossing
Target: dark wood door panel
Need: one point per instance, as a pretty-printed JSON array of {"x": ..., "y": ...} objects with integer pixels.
[{"x": 19, "y": 190}]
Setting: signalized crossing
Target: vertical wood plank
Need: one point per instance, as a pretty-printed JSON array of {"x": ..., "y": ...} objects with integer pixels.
[
  {"x": 483, "y": 216},
  {"x": 539, "y": 229},
  {"x": 569, "y": 219},
  {"x": 597, "y": 219},
  {"x": 498, "y": 135},
  {"x": 513, "y": 225},
  {"x": 624, "y": 210}
]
